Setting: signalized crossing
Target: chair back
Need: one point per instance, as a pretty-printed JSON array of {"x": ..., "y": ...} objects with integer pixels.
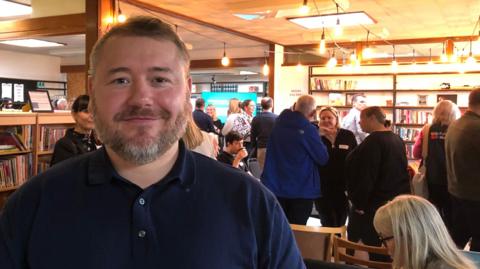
[
  {"x": 316, "y": 243},
  {"x": 340, "y": 245}
]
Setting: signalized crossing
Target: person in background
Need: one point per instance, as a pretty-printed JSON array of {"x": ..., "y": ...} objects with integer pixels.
[
  {"x": 376, "y": 172},
  {"x": 248, "y": 107},
  {"x": 462, "y": 148},
  {"x": 233, "y": 153},
  {"x": 294, "y": 152},
  {"x": 200, "y": 141},
  {"x": 77, "y": 140},
  {"x": 202, "y": 120},
  {"x": 61, "y": 104},
  {"x": 444, "y": 113},
  {"x": 416, "y": 238},
  {"x": 237, "y": 121},
  {"x": 352, "y": 120},
  {"x": 217, "y": 123},
  {"x": 262, "y": 126},
  {"x": 6, "y": 103},
  {"x": 332, "y": 206},
  {"x": 143, "y": 200}
]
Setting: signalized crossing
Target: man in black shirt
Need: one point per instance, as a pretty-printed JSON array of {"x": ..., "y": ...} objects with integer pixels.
[
  {"x": 262, "y": 126},
  {"x": 234, "y": 152},
  {"x": 202, "y": 119}
]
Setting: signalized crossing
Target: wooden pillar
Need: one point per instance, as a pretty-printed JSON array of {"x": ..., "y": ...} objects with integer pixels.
[
  {"x": 271, "y": 66},
  {"x": 100, "y": 14}
]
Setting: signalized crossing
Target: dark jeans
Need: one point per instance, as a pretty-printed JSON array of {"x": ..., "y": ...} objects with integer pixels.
[
  {"x": 296, "y": 210},
  {"x": 332, "y": 211},
  {"x": 466, "y": 216},
  {"x": 438, "y": 195},
  {"x": 360, "y": 227}
]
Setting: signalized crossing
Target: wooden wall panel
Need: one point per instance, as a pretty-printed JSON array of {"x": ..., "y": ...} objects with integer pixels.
[{"x": 76, "y": 85}]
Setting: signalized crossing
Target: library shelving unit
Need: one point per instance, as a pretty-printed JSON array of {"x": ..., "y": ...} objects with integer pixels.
[
  {"x": 16, "y": 165},
  {"x": 32, "y": 129},
  {"x": 408, "y": 98}
]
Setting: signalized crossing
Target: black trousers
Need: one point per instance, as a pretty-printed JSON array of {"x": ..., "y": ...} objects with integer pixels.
[
  {"x": 296, "y": 210},
  {"x": 360, "y": 227},
  {"x": 438, "y": 195},
  {"x": 466, "y": 216},
  {"x": 332, "y": 210}
]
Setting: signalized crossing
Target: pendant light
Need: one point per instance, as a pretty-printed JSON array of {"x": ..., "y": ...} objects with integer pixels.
[
  {"x": 120, "y": 18},
  {"x": 394, "y": 62},
  {"x": 430, "y": 62},
  {"x": 321, "y": 47},
  {"x": 225, "y": 60},
  {"x": 333, "y": 60},
  {"x": 444, "y": 57},
  {"x": 471, "y": 60},
  {"x": 338, "y": 28},
  {"x": 367, "y": 52},
  {"x": 266, "y": 68},
  {"x": 303, "y": 10}
]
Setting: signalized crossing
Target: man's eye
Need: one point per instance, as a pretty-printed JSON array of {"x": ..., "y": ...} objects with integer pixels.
[
  {"x": 159, "y": 80},
  {"x": 120, "y": 81}
]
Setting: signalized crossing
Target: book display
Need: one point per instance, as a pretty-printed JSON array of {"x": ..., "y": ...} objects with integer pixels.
[
  {"x": 26, "y": 145},
  {"x": 407, "y": 98}
]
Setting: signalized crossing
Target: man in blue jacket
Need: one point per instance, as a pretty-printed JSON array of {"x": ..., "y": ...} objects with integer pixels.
[{"x": 293, "y": 153}]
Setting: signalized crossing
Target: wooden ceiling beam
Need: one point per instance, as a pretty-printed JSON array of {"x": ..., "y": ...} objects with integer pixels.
[
  {"x": 234, "y": 62},
  {"x": 194, "y": 20},
  {"x": 45, "y": 26},
  {"x": 413, "y": 41}
]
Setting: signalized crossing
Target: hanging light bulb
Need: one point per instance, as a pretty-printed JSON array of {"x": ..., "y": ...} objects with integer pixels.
[
  {"x": 471, "y": 60},
  {"x": 299, "y": 66},
  {"x": 454, "y": 57},
  {"x": 430, "y": 62},
  {"x": 444, "y": 57},
  {"x": 120, "y": 18},
  {"x": 225, "y": 60},
  {"x": 266, "y": 68},
  {"x": 414, "y": 62},
  {"x": 394, "y": 62},
  {"x": 338, "y": 28},
  {"x": 321, "y": 48},
  {"x": 303, "y": 10},
  {"x": 333, "y": 61},
  {"x": 367, "y": 51}
]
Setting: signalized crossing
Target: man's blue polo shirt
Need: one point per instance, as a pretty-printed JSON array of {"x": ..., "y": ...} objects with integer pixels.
[{"x": 81, "y": 214}]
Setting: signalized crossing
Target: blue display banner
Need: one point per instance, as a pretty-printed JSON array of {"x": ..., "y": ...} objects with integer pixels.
[{"x": 220, "y": 101}]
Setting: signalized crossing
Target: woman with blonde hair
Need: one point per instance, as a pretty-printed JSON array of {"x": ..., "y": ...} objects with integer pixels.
[
  {"x": 416, "y": 237},
  {"x": 432, "y": 152},
  {"x": 200, "y": 141},
  {"x": 236, "y": 120}
]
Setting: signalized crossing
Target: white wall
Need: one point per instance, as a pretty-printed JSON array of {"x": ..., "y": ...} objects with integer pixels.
[
  {"x": 291, "y": 84},
  {"x": 30, "y": 66}
]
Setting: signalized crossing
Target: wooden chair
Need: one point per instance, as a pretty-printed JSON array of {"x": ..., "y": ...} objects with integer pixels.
[
  {"x": 316, "y": 243},
  {"x": 340, "y": 245}
]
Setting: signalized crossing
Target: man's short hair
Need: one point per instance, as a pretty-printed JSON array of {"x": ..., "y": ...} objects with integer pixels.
[
  {"x": 266, "y": 103},
  {"x": 232, "y": 137},
  {"x": 305, "y": 104},
  {"x": 245, "y": 103},
  {"x": 199, "y": 103},
  {"x": 141, "y": 26},
  {"x": 474, "y": 98},
  {"x": 356, "y": 96}
]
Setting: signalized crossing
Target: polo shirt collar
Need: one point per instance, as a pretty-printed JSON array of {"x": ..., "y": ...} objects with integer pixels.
[{"x": 101, "y": 171}]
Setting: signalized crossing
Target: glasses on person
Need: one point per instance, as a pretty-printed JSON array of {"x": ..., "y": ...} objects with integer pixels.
[{"x": 384, "y": 239}]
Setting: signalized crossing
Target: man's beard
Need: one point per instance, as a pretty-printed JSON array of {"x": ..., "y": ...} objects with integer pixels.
[{"x": 142, "y": 148}]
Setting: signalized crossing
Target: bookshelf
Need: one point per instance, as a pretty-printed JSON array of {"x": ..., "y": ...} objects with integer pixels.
[
  {"x": 19, "y": 165},
  {"x": 407, "y": 97}
]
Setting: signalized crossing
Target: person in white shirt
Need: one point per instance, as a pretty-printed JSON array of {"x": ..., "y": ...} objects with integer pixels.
[{"x": 352, "y": 120}]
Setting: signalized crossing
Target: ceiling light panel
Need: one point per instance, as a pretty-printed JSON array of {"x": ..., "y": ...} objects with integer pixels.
[
  {"x": 31, "y": 43},
  {"x": 330, "y": 20},
  {"x": 11, "y": 9}
]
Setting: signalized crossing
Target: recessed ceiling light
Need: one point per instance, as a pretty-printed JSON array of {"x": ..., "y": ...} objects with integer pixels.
[
  {"x": 250, "y": 17},
  {"x": 11, "y": 9},
  {"x": 330, "y": 20},
  {"x": 31, "y": 43},
  {"x": 243, "y": 72}
]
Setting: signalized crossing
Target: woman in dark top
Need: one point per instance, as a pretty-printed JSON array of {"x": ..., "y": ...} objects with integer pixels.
[
  {"x": 376, "y": 172},
  {"x": 77, "y": 140},
  {"x": 332, "y": 206}
]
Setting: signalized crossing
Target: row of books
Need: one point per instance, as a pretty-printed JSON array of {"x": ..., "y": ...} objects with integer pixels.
[
  {"x": 16, "y": 138},
  {"x": 224, "y": 87},
  {"x": 409, "y": 116},
  {"x": 15, "y": 170},
  {"x": 407, "y": 134},
  {"x": 409, "y": 149},
  {"x": 49, "y": 135},
  {"x": 332, "y": 84}
]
